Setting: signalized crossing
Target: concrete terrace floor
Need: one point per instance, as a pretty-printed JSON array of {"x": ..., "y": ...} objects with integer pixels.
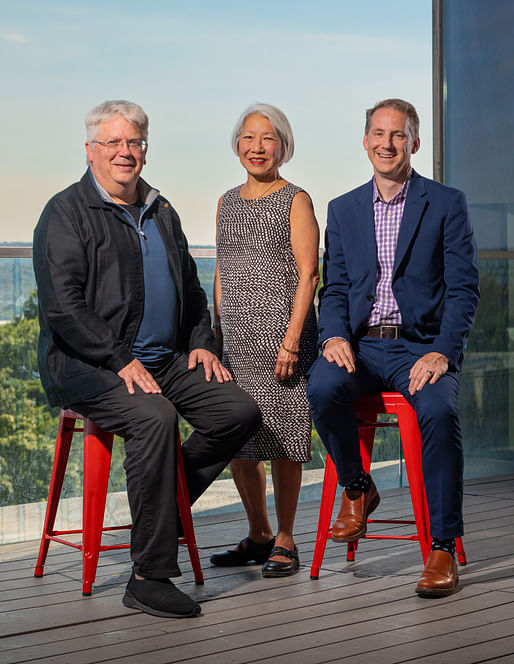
[{"x": 356, "y": 612}]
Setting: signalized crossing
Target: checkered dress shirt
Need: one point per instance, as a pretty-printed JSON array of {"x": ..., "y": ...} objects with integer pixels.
[{"x": 388, "y": 217}]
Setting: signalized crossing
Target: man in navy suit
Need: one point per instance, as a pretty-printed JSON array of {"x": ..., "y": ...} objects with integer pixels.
[{"x": 398, "y": 302}]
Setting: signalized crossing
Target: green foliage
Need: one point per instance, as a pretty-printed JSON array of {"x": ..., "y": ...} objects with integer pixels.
[
  {"x": 27, "y": 424},
  {"x": 386, "y": 445}
]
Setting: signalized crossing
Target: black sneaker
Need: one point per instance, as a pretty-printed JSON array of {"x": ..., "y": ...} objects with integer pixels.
[{"x": 159, "y": 597}]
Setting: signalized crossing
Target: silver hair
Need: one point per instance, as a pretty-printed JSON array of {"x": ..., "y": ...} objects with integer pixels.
[
  {"x": 280, "y": 125},
  {"x": 399, "y": 105},
  {"x": 101, "y": 113}
]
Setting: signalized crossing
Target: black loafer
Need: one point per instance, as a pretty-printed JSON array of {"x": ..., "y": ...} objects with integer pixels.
[
  {"x": 242, "y": 555},
  {"x": 275, "y": 568}
]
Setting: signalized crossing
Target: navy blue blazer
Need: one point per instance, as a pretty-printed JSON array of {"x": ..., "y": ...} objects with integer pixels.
[{"x": 435, "y": 274}]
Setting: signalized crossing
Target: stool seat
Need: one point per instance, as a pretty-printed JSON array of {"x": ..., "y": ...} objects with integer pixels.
[
  {"x": 366, "y": 411},
  {"x": 97, "y": 461}
]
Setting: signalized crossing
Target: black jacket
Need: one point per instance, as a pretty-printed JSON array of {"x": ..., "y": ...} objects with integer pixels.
[{"x": 89, "y": 274}]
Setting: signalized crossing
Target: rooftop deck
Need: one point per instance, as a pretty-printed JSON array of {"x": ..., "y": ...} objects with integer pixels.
[{"x": 355, "y": 612}]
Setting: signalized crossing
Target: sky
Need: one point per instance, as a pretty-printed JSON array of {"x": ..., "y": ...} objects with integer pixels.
[{"x": 194, "y": 66}]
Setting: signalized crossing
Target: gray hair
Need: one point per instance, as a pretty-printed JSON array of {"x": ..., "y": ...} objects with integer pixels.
[
  {"x": 101, "y": 113},
  {"x": 280, "y": 125},
  {"x": 399, "y": 105}
]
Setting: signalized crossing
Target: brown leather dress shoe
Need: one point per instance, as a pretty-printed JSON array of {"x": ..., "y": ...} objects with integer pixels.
[
  {"x": 440, "y": 576},
  {"x": 356, "y": 506}
]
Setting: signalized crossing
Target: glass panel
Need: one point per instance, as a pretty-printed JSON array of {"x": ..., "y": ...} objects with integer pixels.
[
  {"x": 478, "y": 52},
  {"x": 478, "y": 121},
  {"x": 28, "y": 425},
  {"x": 487, "y": 384}
]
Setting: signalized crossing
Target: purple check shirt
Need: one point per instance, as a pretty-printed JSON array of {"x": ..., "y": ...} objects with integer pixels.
[{"x": 388, "y": 217}]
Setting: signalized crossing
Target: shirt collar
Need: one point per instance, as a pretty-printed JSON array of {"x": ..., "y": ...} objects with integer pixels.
[
  {"x": 146, "y": 193},
  {"x": 400, "y": 196}
]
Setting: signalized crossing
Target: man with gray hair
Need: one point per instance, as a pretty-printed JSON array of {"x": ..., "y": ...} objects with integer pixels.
[{"x": 126, "y": 341}]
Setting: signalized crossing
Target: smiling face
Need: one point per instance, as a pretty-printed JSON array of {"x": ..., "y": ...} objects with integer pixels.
[
  {"x": 260, "y": 148},
  {"x": 389, "y": 144},
  {"x": 117, "y": 172}
]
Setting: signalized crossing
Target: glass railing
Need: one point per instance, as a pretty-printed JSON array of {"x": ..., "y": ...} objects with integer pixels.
[{"x": 28, "y": 426}]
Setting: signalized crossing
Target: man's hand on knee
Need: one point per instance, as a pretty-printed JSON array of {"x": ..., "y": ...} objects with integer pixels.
[
  {"x": 134, "y": 373},
  {"x": 340, "y": 351},
  {"x": 211, "y": 365},
  {"x": 429, "y": 368}
]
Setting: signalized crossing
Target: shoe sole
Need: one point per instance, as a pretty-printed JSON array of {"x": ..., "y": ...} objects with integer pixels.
[
  {"x": 352, "y": 538},
  {"x": 250, "y": 562},
  {"x": 356, "y": 536},
  {"x": 435, "y": 592},
  {"x": 278, "y": 575},
  {"x": 132, "y": 603}
]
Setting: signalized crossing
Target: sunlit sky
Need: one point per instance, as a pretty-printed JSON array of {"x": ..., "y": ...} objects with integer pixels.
[{"x": 194, "y": 65}]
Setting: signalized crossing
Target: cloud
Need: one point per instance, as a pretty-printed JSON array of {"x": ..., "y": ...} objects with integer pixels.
[{"x": 14, "y": 37}]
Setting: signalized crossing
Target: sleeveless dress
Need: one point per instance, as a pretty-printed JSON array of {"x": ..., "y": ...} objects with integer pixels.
[{"x": 259, "y": 277}]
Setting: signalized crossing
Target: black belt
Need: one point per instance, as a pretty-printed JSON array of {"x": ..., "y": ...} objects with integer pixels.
[{"x": 383, "y": 332}]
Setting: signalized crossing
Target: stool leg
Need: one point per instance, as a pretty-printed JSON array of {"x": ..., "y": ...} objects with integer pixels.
[
  {"x": 97, "y": 463},
  {"x": 184, "y": 509},
  {"x": 62, "y": 452},
  {"x": 351, "y": 550},
  {"x": 412, "y": 444},
  {"x": 461, "y": 554},
  {"x": 325, "y": 515}
]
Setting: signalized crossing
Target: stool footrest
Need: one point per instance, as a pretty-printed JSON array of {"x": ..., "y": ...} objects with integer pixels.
[
  {"x": 80, "y": 530},
  {"x": 63, "y": 541},
  {"x": 109, "y": 547},
  {"x": 413, "y": 538},
  {"x": 393, "y": 521}
]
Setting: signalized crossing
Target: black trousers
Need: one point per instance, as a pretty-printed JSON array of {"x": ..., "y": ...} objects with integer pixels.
[{"x": 224, "y": 418}]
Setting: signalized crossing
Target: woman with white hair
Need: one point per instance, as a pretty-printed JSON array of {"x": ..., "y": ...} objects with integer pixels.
[{"x": 266, "y": 277}]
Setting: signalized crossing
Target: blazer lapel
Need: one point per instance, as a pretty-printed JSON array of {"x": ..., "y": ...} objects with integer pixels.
[
  {"x": 412, "y": 212},
  {"x": 365, "y": 220}
]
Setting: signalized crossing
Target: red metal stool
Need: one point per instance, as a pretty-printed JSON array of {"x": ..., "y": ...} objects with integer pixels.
[
  {"x": 97, "y": 461},
  {"x": 366, "y": 411}
]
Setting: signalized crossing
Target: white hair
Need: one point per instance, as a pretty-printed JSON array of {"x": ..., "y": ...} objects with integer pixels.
[
  {"x": 280, "y": 125},
  {"x": 101, "y": 113}
]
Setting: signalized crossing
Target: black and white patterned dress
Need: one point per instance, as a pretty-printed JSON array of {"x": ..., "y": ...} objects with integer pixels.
[{"x": 259, "y": 277}]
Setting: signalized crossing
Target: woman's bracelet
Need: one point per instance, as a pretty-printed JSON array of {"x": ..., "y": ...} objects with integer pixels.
[{"x": 293, "y": 352}]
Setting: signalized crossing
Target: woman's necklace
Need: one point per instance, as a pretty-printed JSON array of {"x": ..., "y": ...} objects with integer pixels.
[{"x": 251, "y": 201}]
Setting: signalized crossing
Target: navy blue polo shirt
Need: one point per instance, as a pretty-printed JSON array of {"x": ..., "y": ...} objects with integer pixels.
[{"x": 157, "y": 335}]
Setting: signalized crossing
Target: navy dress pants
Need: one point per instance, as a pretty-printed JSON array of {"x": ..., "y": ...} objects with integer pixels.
[
  {"x": 224, "y": 418},
  {"x": 384, "y": 365}
]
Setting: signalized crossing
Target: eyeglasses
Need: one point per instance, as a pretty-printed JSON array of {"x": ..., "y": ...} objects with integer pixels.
[{"x": 115, "y": 145}]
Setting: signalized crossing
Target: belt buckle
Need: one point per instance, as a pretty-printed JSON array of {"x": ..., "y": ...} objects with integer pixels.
[{"x": 393, "y": 328}]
